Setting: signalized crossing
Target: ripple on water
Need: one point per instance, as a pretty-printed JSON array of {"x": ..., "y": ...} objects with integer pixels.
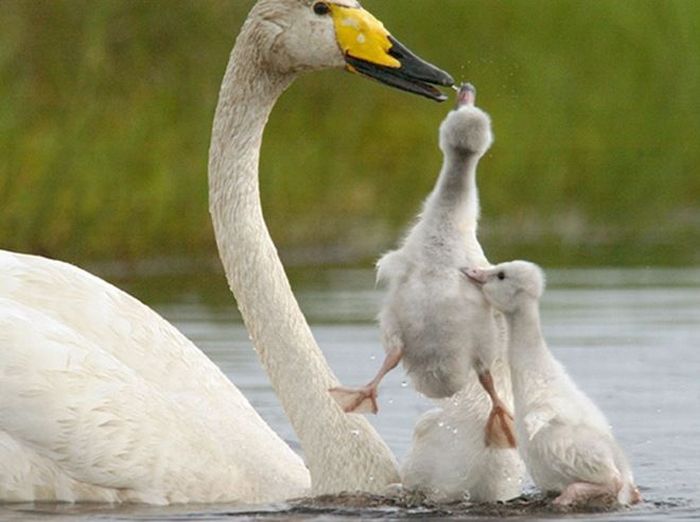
[
  {"x": 351, "y": 506},
  {"x": 361, "y": 505}
]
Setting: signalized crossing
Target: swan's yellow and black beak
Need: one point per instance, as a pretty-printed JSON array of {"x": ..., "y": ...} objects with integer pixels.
[{"x": 370, "y": 50}]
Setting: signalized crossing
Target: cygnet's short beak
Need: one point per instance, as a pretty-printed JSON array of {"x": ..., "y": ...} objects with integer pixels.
[
  {"x": 466, "y": 95},
  {"x": 370, "y": 50},
  {"x": 475, "y": 275}
]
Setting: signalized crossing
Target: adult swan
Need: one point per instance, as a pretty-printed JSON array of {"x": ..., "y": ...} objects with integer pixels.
[{"x": 103, "y": 400}]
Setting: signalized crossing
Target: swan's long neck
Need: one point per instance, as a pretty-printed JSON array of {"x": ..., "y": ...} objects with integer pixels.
[
  {"x": 451, "y": 212},
  {"x": 343, "y": 452}
]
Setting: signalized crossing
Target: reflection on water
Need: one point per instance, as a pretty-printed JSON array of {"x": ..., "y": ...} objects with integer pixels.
[{"x": 630, "y": 338}]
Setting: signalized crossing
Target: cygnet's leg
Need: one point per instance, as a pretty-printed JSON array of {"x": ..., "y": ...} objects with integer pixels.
[
  {"x": 364, "y": 399},
  {"x": 583, "y": 492},
  {"x": 500, "y": 431}
]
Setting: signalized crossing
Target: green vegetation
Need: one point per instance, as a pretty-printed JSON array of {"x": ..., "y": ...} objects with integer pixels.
[{"x": 105, "y": 113}]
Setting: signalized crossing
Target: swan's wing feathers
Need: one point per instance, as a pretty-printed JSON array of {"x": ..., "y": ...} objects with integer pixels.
[
  {"x": 119, "y": 324},
  {"x": 79, "y": 407},
  {"x": 99, "y": 388}
]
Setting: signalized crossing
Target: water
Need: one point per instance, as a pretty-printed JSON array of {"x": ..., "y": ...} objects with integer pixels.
[{"x": 630, "y": 339}]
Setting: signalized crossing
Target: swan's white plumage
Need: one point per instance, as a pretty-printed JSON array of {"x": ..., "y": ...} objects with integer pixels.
[{"x": 101, "y": 399}]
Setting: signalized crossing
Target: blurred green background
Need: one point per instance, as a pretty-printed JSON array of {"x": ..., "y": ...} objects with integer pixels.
[{"x": 106, "y": 108}]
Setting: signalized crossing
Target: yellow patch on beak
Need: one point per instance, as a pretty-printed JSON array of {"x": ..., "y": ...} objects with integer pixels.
[{"x": 362, "y": 36}]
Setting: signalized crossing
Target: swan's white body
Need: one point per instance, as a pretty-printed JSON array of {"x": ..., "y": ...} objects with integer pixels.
[
  {"x": 103, "y": 400},
  {"x": 565, "y": 440},
  {"x": 444, "y": 326}
]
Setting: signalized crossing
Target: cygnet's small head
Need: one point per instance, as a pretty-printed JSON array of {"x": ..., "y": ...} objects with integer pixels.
[
  {"x": 466, "y": 131},
  {"x": 293, "y": 36},
  {"x": 509, "y": 286}
]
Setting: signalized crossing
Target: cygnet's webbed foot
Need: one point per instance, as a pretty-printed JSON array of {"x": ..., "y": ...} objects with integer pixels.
[
  {"x": 585, "y": 493},
  {"x": 636, "y": 495},
  {"x": 500, "y": 429},
  {"x": 356, "y": 400}
]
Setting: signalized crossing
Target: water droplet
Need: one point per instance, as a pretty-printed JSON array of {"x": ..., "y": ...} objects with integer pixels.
[
  {"x": 404, "y": 383},
  {"x": 441, "y": 424},
  {"x": 455, "y": 431},
  {"x": 372, "y": 357},
  {"x": 361, "y": 38},
  {"x": 391, "y": 401},
  {"x": 371, "y": 478},
  {"x": 355, "y": 432}
]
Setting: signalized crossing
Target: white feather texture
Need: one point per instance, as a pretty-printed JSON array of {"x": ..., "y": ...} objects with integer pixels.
[{"x": 103, "y": 400}]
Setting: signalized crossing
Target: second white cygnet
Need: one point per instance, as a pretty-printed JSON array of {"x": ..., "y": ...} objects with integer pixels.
[{"x": 565, "y": 440}]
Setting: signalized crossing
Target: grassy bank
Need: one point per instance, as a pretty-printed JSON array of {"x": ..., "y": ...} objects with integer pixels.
[{"x": 105, "y": 113}]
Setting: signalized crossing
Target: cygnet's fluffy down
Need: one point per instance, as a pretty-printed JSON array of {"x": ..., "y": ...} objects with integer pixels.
[
  {"x": 565, "y": 439},
  {"x": 439, "y": 325},
  {"x": 442, "y": 326},
  {"x": 449, "y": 457}
]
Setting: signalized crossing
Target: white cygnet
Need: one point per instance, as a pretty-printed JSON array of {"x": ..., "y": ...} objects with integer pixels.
[
  {"x": 565, "y": 440},
  {"x": 442, "y": 329}
]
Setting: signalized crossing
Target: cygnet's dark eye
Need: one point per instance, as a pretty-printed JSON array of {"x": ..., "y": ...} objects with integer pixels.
[
  {"x": 501, "y": 275},
  {"x": 321, "y": 8}
]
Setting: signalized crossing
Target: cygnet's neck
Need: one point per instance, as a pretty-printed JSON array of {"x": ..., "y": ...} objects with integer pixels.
[
  {"x": 456, "y": 185},
  {"x": 343, "y": 452},
  {"x": 451, "y": 213},
  {"x": 529, "y": 357}
]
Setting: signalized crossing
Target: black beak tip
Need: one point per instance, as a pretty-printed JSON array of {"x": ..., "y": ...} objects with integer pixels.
[
  {"x": 418, "y": 68},
  {"x": 447, "y": 79}
]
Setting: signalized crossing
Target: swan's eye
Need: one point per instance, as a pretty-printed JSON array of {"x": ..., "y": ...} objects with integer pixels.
[
  {"x": 321, "y": 8},
  {"x": 501, "y": 275}
]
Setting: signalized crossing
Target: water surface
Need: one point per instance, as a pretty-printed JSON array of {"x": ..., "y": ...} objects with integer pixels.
[{"x": 630, "y": 339}]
